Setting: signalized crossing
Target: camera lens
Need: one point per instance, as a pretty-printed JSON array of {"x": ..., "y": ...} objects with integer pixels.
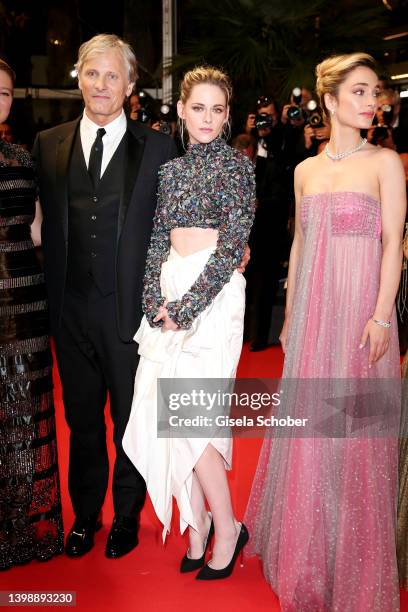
[
  {"x": 165, "y": 128},
  {"x": 294, "y": 112},
  {"x": 315, "y": 119},
  {"x": 263, "y": 120}
]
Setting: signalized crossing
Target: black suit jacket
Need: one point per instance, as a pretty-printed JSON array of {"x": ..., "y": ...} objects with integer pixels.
[{"x": 146, "y": 151}]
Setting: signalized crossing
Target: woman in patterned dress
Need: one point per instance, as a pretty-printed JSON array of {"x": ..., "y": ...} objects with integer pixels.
[{"x": 30, "y": 507}]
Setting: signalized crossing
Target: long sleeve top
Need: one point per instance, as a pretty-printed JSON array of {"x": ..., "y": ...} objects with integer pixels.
[{"x": 212, "y": 186}]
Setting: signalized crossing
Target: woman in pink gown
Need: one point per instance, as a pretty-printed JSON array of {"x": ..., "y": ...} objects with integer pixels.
[{"x": 322, "y": 509}]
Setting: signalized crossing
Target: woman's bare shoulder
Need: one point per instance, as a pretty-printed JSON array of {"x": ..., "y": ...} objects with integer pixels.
[{"x": 306, "y": 166}]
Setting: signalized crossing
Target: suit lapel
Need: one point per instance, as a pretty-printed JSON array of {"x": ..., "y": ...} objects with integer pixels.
[
  {"x": 133, "y": 158},
  {"x": 64, "y": 151}
]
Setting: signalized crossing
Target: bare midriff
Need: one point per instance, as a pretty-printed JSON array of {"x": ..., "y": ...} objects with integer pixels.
[{"x": 189, "y": 240}]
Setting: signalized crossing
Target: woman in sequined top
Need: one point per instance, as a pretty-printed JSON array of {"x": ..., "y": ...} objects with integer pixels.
[
  {"x": 204, "y": 216},
  {"x": 207, "y": 189}
]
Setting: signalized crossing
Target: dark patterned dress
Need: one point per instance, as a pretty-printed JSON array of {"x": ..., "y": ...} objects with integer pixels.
[{"x": 30, "y": 506}]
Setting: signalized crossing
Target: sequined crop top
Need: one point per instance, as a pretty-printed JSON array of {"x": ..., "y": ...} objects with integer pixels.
[{"x": 212, "y": 186}]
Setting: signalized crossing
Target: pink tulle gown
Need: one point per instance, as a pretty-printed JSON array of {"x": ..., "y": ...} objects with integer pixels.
[{"x": 322, "y": 510}]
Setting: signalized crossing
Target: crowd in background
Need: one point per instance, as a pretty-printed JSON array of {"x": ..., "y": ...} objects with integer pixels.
[{"x": 276, "y": 139}]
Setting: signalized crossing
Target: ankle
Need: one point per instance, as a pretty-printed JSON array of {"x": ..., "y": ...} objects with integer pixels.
[
  {"x": 203, "y": 522},
  {"x": 229, "y": 531}
]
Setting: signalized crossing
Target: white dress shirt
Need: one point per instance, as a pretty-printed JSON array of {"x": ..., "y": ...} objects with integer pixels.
[{"x": 114, "y": 134}]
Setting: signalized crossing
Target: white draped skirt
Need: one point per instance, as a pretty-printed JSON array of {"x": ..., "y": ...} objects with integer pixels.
[{"x": 209, "y": 349}]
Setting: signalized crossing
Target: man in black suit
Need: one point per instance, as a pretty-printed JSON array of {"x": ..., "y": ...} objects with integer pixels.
[{"x": 98, "y": 181}]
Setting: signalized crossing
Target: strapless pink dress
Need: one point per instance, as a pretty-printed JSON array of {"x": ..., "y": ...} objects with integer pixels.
[{"x": 322, "y": 510}]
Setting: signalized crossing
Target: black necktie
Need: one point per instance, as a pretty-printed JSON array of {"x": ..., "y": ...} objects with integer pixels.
[{"x": 95, "y": 158}]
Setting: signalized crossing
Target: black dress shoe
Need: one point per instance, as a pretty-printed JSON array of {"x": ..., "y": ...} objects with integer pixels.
[
  {"x": 191, "y": 565},
  {"x": 123, "y": 536},
  {"x": 208, "y": 573},
  {"x": 80, "y": 539}
]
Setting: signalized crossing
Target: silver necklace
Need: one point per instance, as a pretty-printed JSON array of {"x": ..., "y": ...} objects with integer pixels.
[{"x": 338, "y": 156}]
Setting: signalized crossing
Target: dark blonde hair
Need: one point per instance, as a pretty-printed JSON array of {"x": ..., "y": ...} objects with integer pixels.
[
  {"x": 334, "y": 70},
  {"x": 4, "y": 66},
  {"x": 205, "y": 75}
]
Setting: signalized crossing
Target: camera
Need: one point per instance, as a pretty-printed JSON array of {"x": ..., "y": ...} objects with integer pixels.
[
  {"x": 143, "y": 115},
  {"x": 294, "y": 110},
  {"x": 263, "y": 121},
  {"x": 165, "y": 118},
  {"x": 314, "y": 115}
]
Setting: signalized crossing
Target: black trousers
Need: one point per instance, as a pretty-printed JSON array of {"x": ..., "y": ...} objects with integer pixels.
[
  {"x": 268, "y": 249},
  {"x": 93, "y": 361}
]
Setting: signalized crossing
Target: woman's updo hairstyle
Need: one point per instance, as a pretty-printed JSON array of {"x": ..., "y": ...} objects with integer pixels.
[
  {"x": 8, "y": 70},
  {"x": 205, "y": 75},
  {"x": 331, "y": 73}
]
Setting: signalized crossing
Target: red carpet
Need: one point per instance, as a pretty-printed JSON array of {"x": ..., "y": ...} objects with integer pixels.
[{"x": 148, "y": 578}]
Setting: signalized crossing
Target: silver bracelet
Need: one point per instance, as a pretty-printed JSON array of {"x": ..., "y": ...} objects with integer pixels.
[{"x": 386, "y": 324}]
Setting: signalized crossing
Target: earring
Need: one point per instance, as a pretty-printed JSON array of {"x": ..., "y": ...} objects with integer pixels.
[
  {"x": 226, "y": 130},
  {"x": 180, "y": 125},
  {"x": 332, "y": 112}
]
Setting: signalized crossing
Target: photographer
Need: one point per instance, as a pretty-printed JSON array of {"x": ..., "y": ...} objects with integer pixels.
[
  {"x": 165, "y": 120},
  {"x": 391, "y": 128},
  {"x": 134, "y": 105},
  {"x": 314, "y": 136},
  {"x": 269, "y": 239},
  {"x": 161, "y": 118},
  {"x": 298, "y": 100},
  {"x": 304, "y": 128}
]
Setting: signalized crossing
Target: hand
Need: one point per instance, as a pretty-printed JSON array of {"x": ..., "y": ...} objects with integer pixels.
[
  {"x": 379, "y": 341},
  {"x": 163, "y": 315},
  {"x": 245, "y": 260},
  {"x": 322, "y": 133},
  {"x": 250, "y": 123},
  {"x": 156, "y": 126},
  {"x": 284, "y": 334},
  {"x": 284, "y": 116},
  {"x": 308, "y": 133}
]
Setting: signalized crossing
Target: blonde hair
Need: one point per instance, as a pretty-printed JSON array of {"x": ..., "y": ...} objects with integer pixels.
[
  {"x": 333, "y": 71},
  {"x": 205, "y": 75},
  {"x": 4, "y": 66},
  {"x": 108, "y": 42}
]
